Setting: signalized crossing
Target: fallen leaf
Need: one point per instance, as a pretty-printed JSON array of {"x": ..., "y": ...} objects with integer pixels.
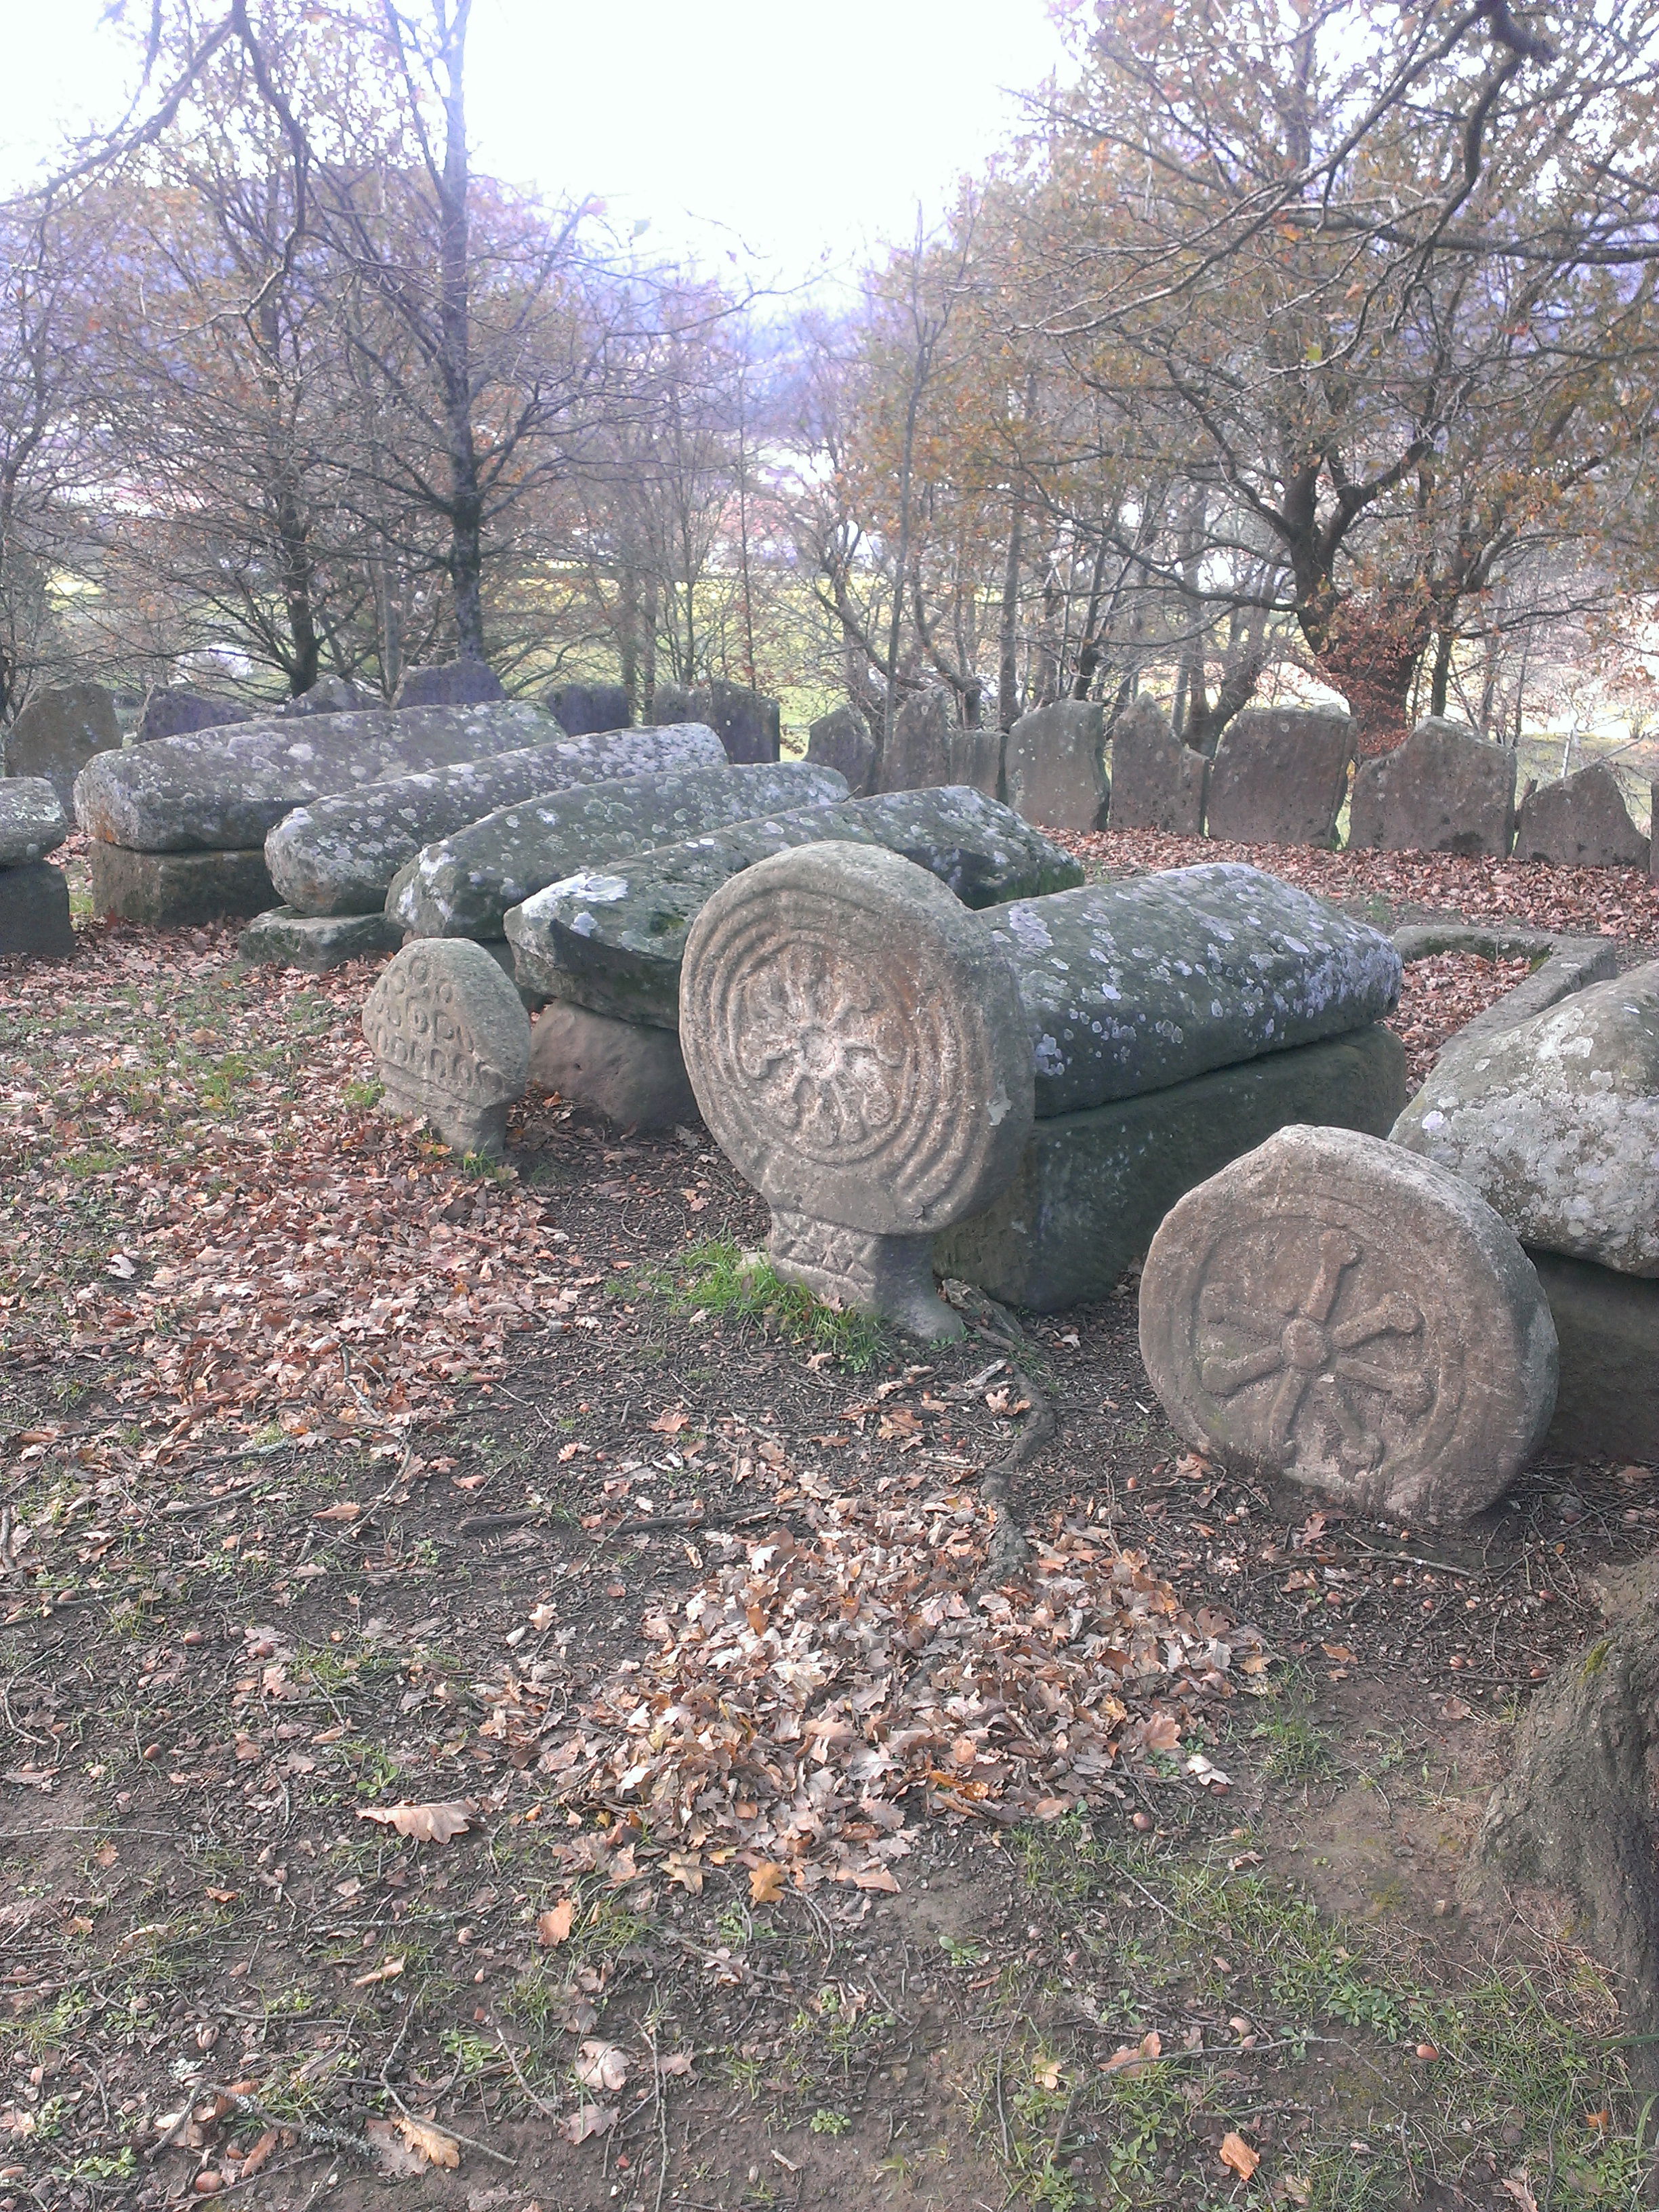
[
  {"x": 260, "y": 2152},
  {"x": 554, "y": 1925},
  {"x": 433, "y": 2144},
  {"x": 685, "y": 1867},
  {"x": 1046, "y": 2072},
  {"x": 1519, "y": 2186},
  {"x": 345, "y": 1510},
  {"x": 427, "y": 1824},
  {"x": 766, "y": 1883},
  {"x": 587, "y": 2120},
  {"x": 677, "y": 2062},
  {"x": 669, "y": 1423},
  {"x": 1132, "y": 2059},
  {"x": 119, "y": 1264},
  {"x": 395, "y": 2158},
  {"x": 387, "y": 1973},
  {"x": 1339, "y": 1651},
  {"x": 601, "y": 2065},
  {"x": 1237, "y": 2154}
]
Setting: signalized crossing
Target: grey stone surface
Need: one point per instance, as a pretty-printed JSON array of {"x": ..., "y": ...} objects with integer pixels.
[
  {"x": 1053, "y": 769},
  {"x": 60, "y": 731},
  {"x": 1279, "y": 776},
  {"x": 612, "y": 936},
  {"x": 1606, "y": 1405},
  {"x": 176, "y": 890},
  {"x": 892, "y": 1276},
  {"x": 280, "y": 937},
  {"x": 974, "y": 757},
  {"x": 1445, "y": 790},
  {"x": 173, "y": 711},
  {"x": 1581, "y": 822},
  {"x": 1091, "y": 1187},
  {"x": 632, "y": 1075},
  {"x": 35, "y": 912},
  {"x": 917, "y": 758},
  {"x": 672, "y": 703},
  {"x": 750, "y": 725},
  {"x": 219, "y": 790},
  {"x": 32, "y": 822},
  {"x": 330, "y": 695},
  {"x": 1332, "y": 1310},
  {"x": 1131, "y": 987},
  {"x": 840, "y": 739},
  {"x": 465, "y": 885},
  {"x": 449, "y": 683},
  {"x": 1653, "y": 825},
  {"x": 581, "y": 710},
  {"x": 1556, "y": 1123},
  {"x": 339, "y": 854},
  {"x": 1561, "y": 965},
  {"x": 1157, "y": 782},
  {"x": 452, "y": 1039}
]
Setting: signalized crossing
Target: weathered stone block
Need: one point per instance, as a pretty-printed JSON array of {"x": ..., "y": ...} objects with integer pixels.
[
  {"x": 974, "y": 758},
  {"x": 452, "y": 1039},
  {"x": 35, "y": 912},
  {"x": 916, "y": 757},
  {"x": 1279, "y": 777},
  {"x": 1135, "y": 986},
  {"x": 1333, "y": 1310},
  {"x": 1581, "y": 822},
  {"x": 1091, "y": 1187},
  {"x": 1158, "y": 783},
  {"x": 172, "y": 711},
  {"x": 465, "y": 885},
  {"x": 1607, "y": 1404},
  {"x": 612, "y": 936},
  {"x": 330, "y": 695},
  {"x": 280, "y": 938},
  {"x": 449, "y": 683},
  {"x": 60, "y": 731},
  {"x": 841, "y": 740},
  {"x": 1053, "y": 766},
  {"x": 631, "y": 1074},
  {"x": 339, "y": 854},
  {"x": 1445, "y": 790},
  {"x": 1561, "y": 965},
  {"x": 751, "y": 726},
  {"x": 584, "y": 709},
  {"x": 1556, "y": 1123},
  {"x": 221, "y": 790},
  {"x": 176, "y": 890},
  {"x": 32, "y": 819}
]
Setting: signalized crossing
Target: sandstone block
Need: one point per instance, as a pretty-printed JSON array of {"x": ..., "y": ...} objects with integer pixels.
[
  {"x": 339, "y": 854},
  {"x": 172, "y": 711},
  {"x": 176, "y": 890},
  {"x": 465, "y": 885},
  {"x": 1581, "y": 822},
  {"x": 1279, "y": 776},
  {"x": 1053, "y": 766},
  {"x": 222, "y": 790},
  {"x": 583, "y": 709},
  {"x": 629, "y": 1073},
  {"x": 453, "y": 1042},
  {"x": 974, "y": 758},
  {"x": 1092, "y": 1187},
  {"x": 1606, "y": 1405},
  {"x": 449, "y": 683},
  {"x": 841, "y": 740},
  {"x": 1158, "y": 783},
  {"x": 1556, "y": 1123},
  {"x": 1333, "y": 1310},
  {"x": 280, "y": 937},
  {"x": 32, "y": 819},
  {"x": 751, "y": 726},
  {"x": 917, "y": 757},
  {"x": 35, "y": 912},
  {"x": 60, "y": 731},
  {"x": 1445, "y": 790}
]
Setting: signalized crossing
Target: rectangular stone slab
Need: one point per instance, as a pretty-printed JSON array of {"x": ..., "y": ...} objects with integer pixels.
[
  {"x": 465, "y": 885},
  {"x": 1607, "y": 1403},
  {"x": 224, "y": 790},
  {"x": 279, "y": 938},
  {"x": 35, "y": 912},
  {"x": 175, "y": 890},
  {"x": 611, "y": 937},
  {"x": 1135, "y": 986},
  {"x": 339, "y": 854},
  {"x": 1093, "y": 1188}
]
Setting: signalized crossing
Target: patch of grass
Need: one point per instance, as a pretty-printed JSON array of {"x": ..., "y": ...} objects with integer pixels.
[
  {"x": 1297, "y": 1749},
  {"x": 716, "y": 1278},
  {"x": 363, "y": 1093}
]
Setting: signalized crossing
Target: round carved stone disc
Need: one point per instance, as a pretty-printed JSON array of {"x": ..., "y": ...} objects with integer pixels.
[
  {"x": 854, "y": 1041},
  {"x": 1334, "y": 1309}
]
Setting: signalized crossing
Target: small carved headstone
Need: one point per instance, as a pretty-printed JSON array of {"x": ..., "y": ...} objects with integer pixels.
[
  {"x": 452, "y": 1041},
  {"x": 1334, "y": 1310}
]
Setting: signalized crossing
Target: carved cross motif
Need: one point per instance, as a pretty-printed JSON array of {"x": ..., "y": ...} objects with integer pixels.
[{"x": 1318, "y": 1360}]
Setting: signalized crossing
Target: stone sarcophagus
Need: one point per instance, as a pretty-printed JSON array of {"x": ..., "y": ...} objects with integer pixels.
[{"x": 1017, "y": 1096}]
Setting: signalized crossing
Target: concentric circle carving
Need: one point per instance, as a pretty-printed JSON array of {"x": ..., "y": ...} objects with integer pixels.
[
  {"x": 1324, "y": 1311},
  {"x": 854, "y": 1041}
]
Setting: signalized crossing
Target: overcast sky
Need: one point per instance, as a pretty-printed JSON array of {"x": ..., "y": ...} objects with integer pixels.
[{"x": 779, "y": 129}]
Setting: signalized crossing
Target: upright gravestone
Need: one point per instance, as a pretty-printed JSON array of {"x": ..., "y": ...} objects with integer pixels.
[
  {"x": 1582, "y": 822},
  {"x": 452, "y": 1041},
  {"x": 34, "y": 906},
  {"x": 1157, "y": 782},
  {"x": 975, "y": 757},
  {"x": 672, "y": 703},
  {"x": 329, "y": 695},
  {"x": 916, "y": 757},
  {"x": 464, "y": 683},
  {"x": 172, "y": 711},
  {"x": 58, "y": 733},
  {"x": 1053, "y": 768},
  {"x": 1279, "y": 776},
  {"x": 583, "y": 710},
  {"x": 751, "y": 726},
  {"x": 1445, "y": 790},
  {"x": 840, "y": 739}
]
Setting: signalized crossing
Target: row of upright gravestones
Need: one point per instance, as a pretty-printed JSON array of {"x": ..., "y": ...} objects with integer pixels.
[{"x": 934, "y": 1050}]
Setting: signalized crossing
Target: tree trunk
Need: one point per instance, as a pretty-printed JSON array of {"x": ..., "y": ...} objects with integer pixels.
[
  {"x": 1441, "y": 676},
  {"x": 1008, "y": 628},
  {"x": 465, "y": 558}
]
